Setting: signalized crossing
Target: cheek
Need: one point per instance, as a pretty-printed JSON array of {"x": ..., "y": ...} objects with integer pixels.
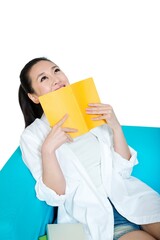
[
  {"x": 44, "y": 90},
  {"x": 66, "y": 81}
]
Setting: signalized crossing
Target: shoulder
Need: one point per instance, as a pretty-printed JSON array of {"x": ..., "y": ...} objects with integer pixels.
[{"x": 38, "y": 129}]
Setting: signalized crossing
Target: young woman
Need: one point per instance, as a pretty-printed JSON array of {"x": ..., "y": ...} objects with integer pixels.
[{"x": 87, "y": 177}]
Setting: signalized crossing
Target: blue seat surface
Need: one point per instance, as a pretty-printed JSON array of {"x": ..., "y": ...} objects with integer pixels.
[
  {"x": 146, "y": 141},
  {"x": 22, "y": 215}
]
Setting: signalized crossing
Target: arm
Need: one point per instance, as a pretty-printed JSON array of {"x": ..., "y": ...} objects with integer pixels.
[
  {"x": 106, "y": 112},
  {"x": 39, "y": 156},
  {"x": 52, "y": 175},
  {"x": 120, "y": 144}
]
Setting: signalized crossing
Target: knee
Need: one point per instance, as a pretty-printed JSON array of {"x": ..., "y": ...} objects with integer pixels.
[{"x": 153, "y": 229}]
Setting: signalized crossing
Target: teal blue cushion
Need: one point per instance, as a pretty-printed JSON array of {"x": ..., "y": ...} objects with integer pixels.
[
  {"x": 22, "y": 215},
  {"x": 146, "y": 141}
]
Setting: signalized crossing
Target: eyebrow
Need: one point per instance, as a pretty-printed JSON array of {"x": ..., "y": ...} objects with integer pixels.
[{"x": 41, "y": 74}]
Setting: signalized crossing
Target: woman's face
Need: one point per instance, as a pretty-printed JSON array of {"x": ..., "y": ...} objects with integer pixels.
[{"x": 46, "y": 77}]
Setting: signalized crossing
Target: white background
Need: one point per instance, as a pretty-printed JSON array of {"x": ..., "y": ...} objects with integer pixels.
[{"x": 115, "y": 42}]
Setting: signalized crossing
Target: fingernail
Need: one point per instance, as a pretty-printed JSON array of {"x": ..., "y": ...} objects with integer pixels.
[{"x": 90, "y": 104}]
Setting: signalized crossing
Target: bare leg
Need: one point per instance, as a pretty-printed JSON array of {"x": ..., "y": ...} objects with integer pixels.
[
  {"x": 137, "y": 235},
  {"x": 153, "y": 229}
]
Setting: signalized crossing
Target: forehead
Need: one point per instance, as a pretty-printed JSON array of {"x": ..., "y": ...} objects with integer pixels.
[{"x": 40, "y": 67}]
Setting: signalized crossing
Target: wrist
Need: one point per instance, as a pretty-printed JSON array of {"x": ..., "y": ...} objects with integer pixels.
[
  {"x": 46, "y": 151},
  {"x": 117, "y": 129},
  {"x": 47, "y": 148}
]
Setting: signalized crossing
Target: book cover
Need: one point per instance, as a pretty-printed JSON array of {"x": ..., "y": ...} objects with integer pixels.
[
  {"x": 43, "y": 237},
  {"x": 65, "y": 231},
  {"x": 72, "y": 99}
]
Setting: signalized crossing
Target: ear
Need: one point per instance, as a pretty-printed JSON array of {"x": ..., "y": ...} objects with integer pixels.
[{"x": 34, "y": 98}]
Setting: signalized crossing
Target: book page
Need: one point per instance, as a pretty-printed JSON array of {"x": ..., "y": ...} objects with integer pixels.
[
  {"x": 66, "y": 231},
  {"x": 85, "y": 92},
  {"x": 72, "y": 99},
  {"x": 56, "y": 104}
]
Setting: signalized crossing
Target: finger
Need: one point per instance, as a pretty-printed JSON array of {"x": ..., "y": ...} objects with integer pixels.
[
  {"x": 103, "y": 117},
  {"x": 99, "y": 105},
  {"x": 68, "y": 130},
  {"x": 98, "y": 111},
  {"x": 69, "y": 138},
  {"x": 60, "y": 123}
]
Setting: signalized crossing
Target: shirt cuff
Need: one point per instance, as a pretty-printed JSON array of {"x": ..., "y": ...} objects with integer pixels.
[
  {"x": 46, "y": 194},
  {"x": 125, "y": 166}
]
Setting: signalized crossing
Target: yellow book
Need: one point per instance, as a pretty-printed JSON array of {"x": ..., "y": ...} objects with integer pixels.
[{"x": 73, "y": 100}]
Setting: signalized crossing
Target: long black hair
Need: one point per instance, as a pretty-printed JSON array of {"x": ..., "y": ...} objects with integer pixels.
[{"x": 30, "y": 110}]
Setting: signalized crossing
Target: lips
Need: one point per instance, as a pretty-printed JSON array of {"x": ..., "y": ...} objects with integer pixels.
[{"x": 58, "y": 87}]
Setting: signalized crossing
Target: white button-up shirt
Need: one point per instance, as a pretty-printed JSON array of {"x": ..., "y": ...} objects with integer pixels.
[{"x": 81, "y": 201}]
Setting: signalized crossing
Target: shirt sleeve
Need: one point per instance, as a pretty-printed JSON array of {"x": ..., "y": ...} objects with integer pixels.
[
  {"x": 124, "y": 166},
  {"x": 121, "y": 165},
  {"x": 30, "y": 145}
]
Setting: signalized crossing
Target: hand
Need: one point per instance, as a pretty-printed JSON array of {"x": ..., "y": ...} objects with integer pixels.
[
  {"x": 105, "y": 112},
  {"x": 57, "y": 136}
]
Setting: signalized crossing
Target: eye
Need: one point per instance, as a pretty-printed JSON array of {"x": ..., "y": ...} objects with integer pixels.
[
  {"x": 43, "y": 78},
  {"x": 57, "y": 69}
]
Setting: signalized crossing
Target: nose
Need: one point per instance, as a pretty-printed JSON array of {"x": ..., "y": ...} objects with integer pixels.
[{"x": 56, "y": 81}]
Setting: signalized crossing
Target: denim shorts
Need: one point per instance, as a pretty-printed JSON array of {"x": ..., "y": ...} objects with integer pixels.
[{"x": 122, "y": 225}]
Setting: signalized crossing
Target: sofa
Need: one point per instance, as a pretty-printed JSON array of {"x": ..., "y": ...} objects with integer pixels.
[{"x": 23, "y": 216}]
